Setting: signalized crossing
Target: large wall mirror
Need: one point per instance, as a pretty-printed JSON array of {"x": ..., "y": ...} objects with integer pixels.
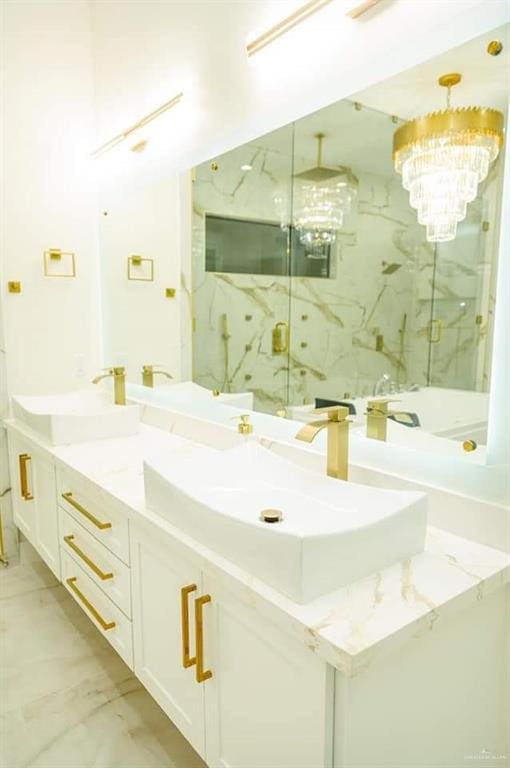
[{"x": 313, "y": 277}]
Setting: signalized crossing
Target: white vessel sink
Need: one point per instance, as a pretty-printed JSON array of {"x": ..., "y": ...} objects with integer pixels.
[
  {"x": 76, "y": 417},
  {"x": 332, "y": 532}
]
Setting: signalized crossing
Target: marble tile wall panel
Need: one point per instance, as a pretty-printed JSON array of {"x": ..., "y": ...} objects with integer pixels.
[{"x": 335, "y": 322}]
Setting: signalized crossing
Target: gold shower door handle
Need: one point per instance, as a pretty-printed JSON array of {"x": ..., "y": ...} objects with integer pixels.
[
  {"x": 201, "y": 674},
  {"x": 187, "y": 659},
  {"x": 437, "y": 325},
  {"x": 280, "y": 338},
  {"x": 24, "y": 458}
]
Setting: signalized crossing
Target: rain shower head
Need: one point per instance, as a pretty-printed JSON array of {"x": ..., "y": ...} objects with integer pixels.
[{"x": 322, "y": 172}]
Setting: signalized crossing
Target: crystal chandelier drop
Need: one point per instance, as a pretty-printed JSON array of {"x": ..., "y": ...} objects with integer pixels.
[
  {"x": 443, "y": 157},
  {"x": 322, "y": 198}
]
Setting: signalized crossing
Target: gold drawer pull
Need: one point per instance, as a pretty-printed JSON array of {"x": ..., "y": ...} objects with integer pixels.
[
  {"x": 93, "y": 519},
  {"x": 69, "y": 540},
  {"x": 201, "y": 673},
  {"x": 24, "y": 458},
  {"x": 187, "y": 660},
  {"x": 88, "y": 605}
]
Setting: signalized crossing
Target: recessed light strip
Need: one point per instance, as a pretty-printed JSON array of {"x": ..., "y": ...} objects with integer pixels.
[
  {"x": 283, "y": 26},
  {"x": 140, "y": 124}
]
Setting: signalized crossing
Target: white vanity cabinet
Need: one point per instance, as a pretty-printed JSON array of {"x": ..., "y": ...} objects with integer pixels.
[
  {"x": 241, "y": 691},
  {"x": 34, "y": 498}
]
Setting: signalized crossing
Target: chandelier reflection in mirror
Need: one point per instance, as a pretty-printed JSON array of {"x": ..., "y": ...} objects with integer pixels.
[
  {"x": 443, "y": 157},
  {"x": 322, "y": 196}
]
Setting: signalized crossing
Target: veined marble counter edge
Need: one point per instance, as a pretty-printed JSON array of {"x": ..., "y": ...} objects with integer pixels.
[{"x": 349, "y": 628}]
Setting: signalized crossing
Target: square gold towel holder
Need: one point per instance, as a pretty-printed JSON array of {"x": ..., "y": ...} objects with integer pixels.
[{"x": 54, "y": 255}]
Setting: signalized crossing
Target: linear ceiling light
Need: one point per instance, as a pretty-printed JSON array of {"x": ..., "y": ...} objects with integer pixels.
[
  {"x": 283, "y": 26},
  {"x": 140, "y": 124}
]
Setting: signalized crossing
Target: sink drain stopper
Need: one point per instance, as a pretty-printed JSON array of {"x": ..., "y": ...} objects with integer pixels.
[{"x": 271, "y": 516}]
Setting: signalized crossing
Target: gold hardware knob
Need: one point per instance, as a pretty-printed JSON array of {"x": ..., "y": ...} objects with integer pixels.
[
  {"x": 187, "y": 659},
  {"x": 201, "y": 674},
  {"x": 81, "y": 509},
  {"x": 470, "y": 445},
  {"x": 216, "y": 392},
  {"x": 106, "y": 625},
  {"x": 24, "y": 458},
  {"x": 14, "y": 286},
  {"x": 495, "y": 47}
]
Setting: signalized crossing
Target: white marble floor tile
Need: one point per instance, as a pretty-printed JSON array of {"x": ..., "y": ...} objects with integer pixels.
[{"x": 67, "y": 700}]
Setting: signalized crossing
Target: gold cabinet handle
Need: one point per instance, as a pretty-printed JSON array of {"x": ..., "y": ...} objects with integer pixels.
[
  {"x": 69, "y": 540},
  {"x": 24, "y": 458},
  {"x": 187, "y": 660},
  {"x": 201, "y": 673},
  {"x": 93, "y": 519},
  {"x": 106, "y": 625}
]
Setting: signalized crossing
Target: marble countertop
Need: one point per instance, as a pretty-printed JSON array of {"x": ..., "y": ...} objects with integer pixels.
[{"x": 350, "y": 627}]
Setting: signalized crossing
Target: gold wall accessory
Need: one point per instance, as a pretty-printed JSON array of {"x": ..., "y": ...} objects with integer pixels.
[
  {"x": 118, "y": 374},
  {"x": 435, "y": 330},
  {"x": 170, "y": 293},
  {"x": 283, "y": 26},
  {"x": 187, "y": 659},
  {"x": 216, "y": 392},
  {"x": 140, "y": 264},
  {"x": 105, "y": 625},
  {"x": 140, "y": 124},
  {"x": 362, "y": 8},
  {"x": 470, "y": 445},
  {"x": 337, "y": 425},
  {"x": 201, "y": 674},
  {"x": 14, "y": 286},
  {"x": 280, "y": 338},
  {"x": 102, "y": 526},
  {"x": 69, "y": 540},
  {"x": 244, "y": 427},
  {"x": 54, "y": 257},
  {"x": 495, "y": 47},
  {"x": 24, "y": 458},
  {"x": 148, "y": 374},
  {"x": 443, "y": 157}
]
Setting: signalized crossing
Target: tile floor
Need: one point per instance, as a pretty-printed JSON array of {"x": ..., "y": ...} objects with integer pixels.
[{"x": 66, "y": 698}]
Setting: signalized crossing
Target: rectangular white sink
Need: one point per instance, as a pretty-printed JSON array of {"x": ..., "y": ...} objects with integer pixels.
[
  {"x": 332, "y": 532},
  {"x": 76, "y": 417}
]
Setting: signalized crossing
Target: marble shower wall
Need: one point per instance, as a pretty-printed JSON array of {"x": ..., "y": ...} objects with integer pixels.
[{"x": 350, "y": 329}]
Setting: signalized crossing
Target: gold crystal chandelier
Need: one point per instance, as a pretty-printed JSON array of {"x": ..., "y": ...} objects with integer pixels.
[{"x": 443, "y": 157}]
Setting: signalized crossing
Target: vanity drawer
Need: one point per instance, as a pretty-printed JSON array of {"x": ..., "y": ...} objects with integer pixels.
[
  {"x": 109, "y": 619},
  {"x": 104, "y": 568},
  {"x": 106, "y": 524}
]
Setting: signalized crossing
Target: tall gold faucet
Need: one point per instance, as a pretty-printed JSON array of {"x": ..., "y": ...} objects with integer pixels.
[
  {"x": 377, "y": 418},
  {"x": 337, "y": 425},
  {"x": 148, "y": 374},
  {"x": 119, "y": 383}
]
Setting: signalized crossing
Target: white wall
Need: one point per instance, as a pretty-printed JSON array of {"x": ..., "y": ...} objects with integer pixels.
[
  {"x": 48, "y": 196},
  {"x": 140, "y": 324}
]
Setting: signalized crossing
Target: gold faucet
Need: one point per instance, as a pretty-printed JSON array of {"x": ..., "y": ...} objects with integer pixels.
[
  {"x": 377, "y": 418},
  {"x": 148, "y": 374},
  {"x": 119, "y": 383},
  {"x": 337, "y": 425}
]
